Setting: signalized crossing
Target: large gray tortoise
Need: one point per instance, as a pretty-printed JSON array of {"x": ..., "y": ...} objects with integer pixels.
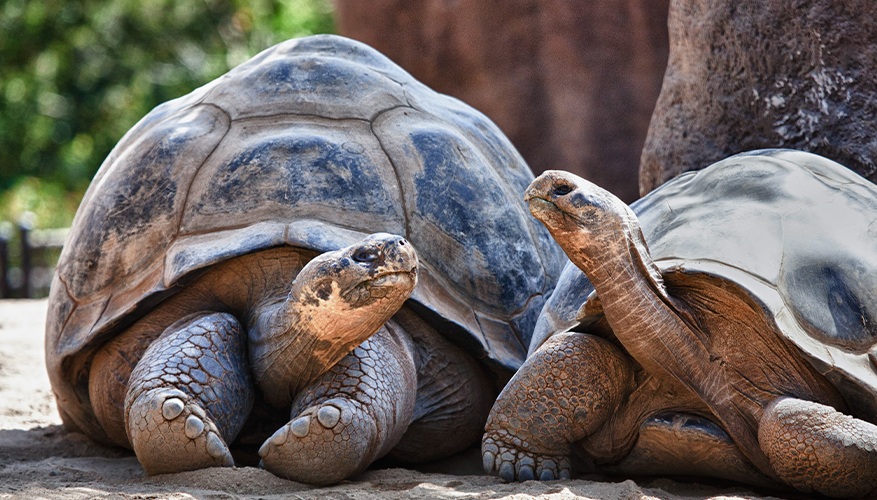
[
  {"x": 731, "y": 334},
  {"x": 248, "y": 249}
]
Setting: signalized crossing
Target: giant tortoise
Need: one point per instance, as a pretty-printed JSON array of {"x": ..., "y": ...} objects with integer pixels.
[
  {"x": 241, "y": 244},
  {"x": 731, "y": 333}
]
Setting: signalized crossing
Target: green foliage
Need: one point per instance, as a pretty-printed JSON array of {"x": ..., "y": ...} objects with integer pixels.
[
  {"x": 76, "y": 75},
  {"x": 51, "y": 205}
]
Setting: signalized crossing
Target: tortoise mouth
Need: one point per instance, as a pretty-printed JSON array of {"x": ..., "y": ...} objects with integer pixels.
[
  {"x": 387, "y": 286},
  {"x": 546, "y": 211},
  {"x": 538, "y": 203},
  {"x": 392, "y": 278}
]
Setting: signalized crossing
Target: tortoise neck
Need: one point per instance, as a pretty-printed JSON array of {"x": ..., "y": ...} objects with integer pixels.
[{"x": 635, "y": 301}]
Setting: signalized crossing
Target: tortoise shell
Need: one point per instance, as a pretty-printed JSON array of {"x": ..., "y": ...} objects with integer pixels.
[
  {"x": 796, "y": 231},
  {"x": 314, "y": 143}
]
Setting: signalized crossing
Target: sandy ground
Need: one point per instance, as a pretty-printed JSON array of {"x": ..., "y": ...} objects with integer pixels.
[{"x": 39, "y": 460}]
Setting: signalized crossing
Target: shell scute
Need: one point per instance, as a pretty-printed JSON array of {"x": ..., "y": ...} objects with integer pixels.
[
  {"x": 128, "y": 226},
  {"x": 290, "y": 169},
  {"x": 292, "y": 79},
  {"x": 462, "y": 217}
]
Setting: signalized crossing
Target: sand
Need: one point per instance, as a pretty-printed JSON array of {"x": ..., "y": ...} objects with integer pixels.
[{"x": 39, "y": 459}]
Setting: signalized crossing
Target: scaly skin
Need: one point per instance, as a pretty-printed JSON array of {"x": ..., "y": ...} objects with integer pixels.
[
  {"x": 355, "y": 413},
  {"x": 454, "y": 395},
  {"x": 189, "y": 395},
  {"x": 564, "y": 392},
  {"x": 405, "y": 391},
  {"x": 813, "y": 447}
]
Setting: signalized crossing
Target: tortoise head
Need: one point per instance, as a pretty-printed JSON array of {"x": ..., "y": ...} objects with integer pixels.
[
  {"x": 374, "y": 276},
  {"x": 578, "y": 213},
  {"x": 338, "y": 300}
]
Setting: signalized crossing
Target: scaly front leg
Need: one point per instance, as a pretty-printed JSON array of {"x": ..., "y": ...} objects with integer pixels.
[
  {"x": 349, "y": 417},
  {"x": 564, "y": 392}
]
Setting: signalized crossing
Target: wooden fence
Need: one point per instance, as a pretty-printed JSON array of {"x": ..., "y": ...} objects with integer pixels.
[{"x": 27, "y": 258}]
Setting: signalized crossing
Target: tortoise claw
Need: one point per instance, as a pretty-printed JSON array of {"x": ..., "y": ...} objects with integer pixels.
[
  {"x": 170, "y": 433},
  {"x": 324, "y": 444},
  {"x": 512, "y": 463}
]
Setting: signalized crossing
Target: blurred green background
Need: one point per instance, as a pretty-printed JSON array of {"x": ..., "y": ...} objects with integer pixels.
[{"x": 76, "y": 75}]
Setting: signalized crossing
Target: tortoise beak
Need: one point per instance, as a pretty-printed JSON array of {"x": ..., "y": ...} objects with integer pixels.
[
  {"x": 539, "y": 188},
  {"x": 540, "y": 199}
]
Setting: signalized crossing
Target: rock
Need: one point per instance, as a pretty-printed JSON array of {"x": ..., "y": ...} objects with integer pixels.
[
  {"x": 571, "y": 83},
  {"x": 749, "y": 74}
]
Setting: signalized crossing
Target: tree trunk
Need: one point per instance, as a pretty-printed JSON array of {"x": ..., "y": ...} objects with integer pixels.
[{"x": 572, "y": 83}]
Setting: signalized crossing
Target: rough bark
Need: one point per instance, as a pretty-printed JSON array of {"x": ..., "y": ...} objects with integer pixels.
[
  {"x": 751, "y": 74},
  {"x": 572, "y": 83}
]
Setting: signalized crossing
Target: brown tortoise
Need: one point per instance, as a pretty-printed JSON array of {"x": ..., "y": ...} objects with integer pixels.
[
  {"x": 732, "y": 331},
  {"x": 221, "y": 260}
]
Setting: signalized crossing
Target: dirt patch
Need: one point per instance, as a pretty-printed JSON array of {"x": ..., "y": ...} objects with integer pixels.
[{"x": 40, "y": 460}]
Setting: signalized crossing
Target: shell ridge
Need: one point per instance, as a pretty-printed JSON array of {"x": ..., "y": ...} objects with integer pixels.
[
  {"x": 402, "y": 195},
  {"x": 680, "y": 264},
  {"x": 70, "y": 298},
  {"x": 488, "y": 347},
  {"x": 199, "y": 232},
  {"x": 185, "y": 201},
  {"x": 244, "y": 119}
]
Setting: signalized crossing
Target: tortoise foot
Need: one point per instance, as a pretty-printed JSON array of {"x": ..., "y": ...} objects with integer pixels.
[
  {"x": 513, "y": 463},
  {"x": 813, "y": 447},
  {"x": 170, "y": 433},
  {"x": 543, "y": 409},
  {"x": 324, "y": 444},
  {"x": 352, "y": 415}
]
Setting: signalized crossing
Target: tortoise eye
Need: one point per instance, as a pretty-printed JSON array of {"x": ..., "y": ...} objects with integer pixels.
[
  {"x": 366, "y": 255},
  {"x": 562, "y": 189}
]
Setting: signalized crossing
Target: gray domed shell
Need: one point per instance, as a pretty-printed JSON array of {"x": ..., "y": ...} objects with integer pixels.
[
  {"x": 796, "y": 231},
  {"x": 313, "y": 143}
]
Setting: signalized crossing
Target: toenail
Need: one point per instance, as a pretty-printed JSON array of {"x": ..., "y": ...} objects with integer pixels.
[
  {"x": 194, "y": 426},
  {"x": 329, "y": 416},
  {"x": 301, "y": 426},
  {"x": 526, "y": 473},
  {"x": 507, "y": 472},
  {"x": 280, "y": 436},
  {"x": 215, "y": 446},
  {"x": 172, "y": 408},
  {"x": 488, "y": 461},
  {"x": 546, "y": 475},
  {"x": 199, "y": 412}
]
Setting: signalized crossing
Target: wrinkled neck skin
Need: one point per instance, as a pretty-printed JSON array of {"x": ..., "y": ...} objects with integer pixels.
[
  {"x": 296, "y": 339},
  {"x": 641, "y": 313}
]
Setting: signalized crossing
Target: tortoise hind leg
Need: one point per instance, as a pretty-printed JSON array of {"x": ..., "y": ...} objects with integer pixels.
[
  {"x": 813, "y": 447},
  {"x": 350, "y": 416},
  {"x": 189, "y": 395}
]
